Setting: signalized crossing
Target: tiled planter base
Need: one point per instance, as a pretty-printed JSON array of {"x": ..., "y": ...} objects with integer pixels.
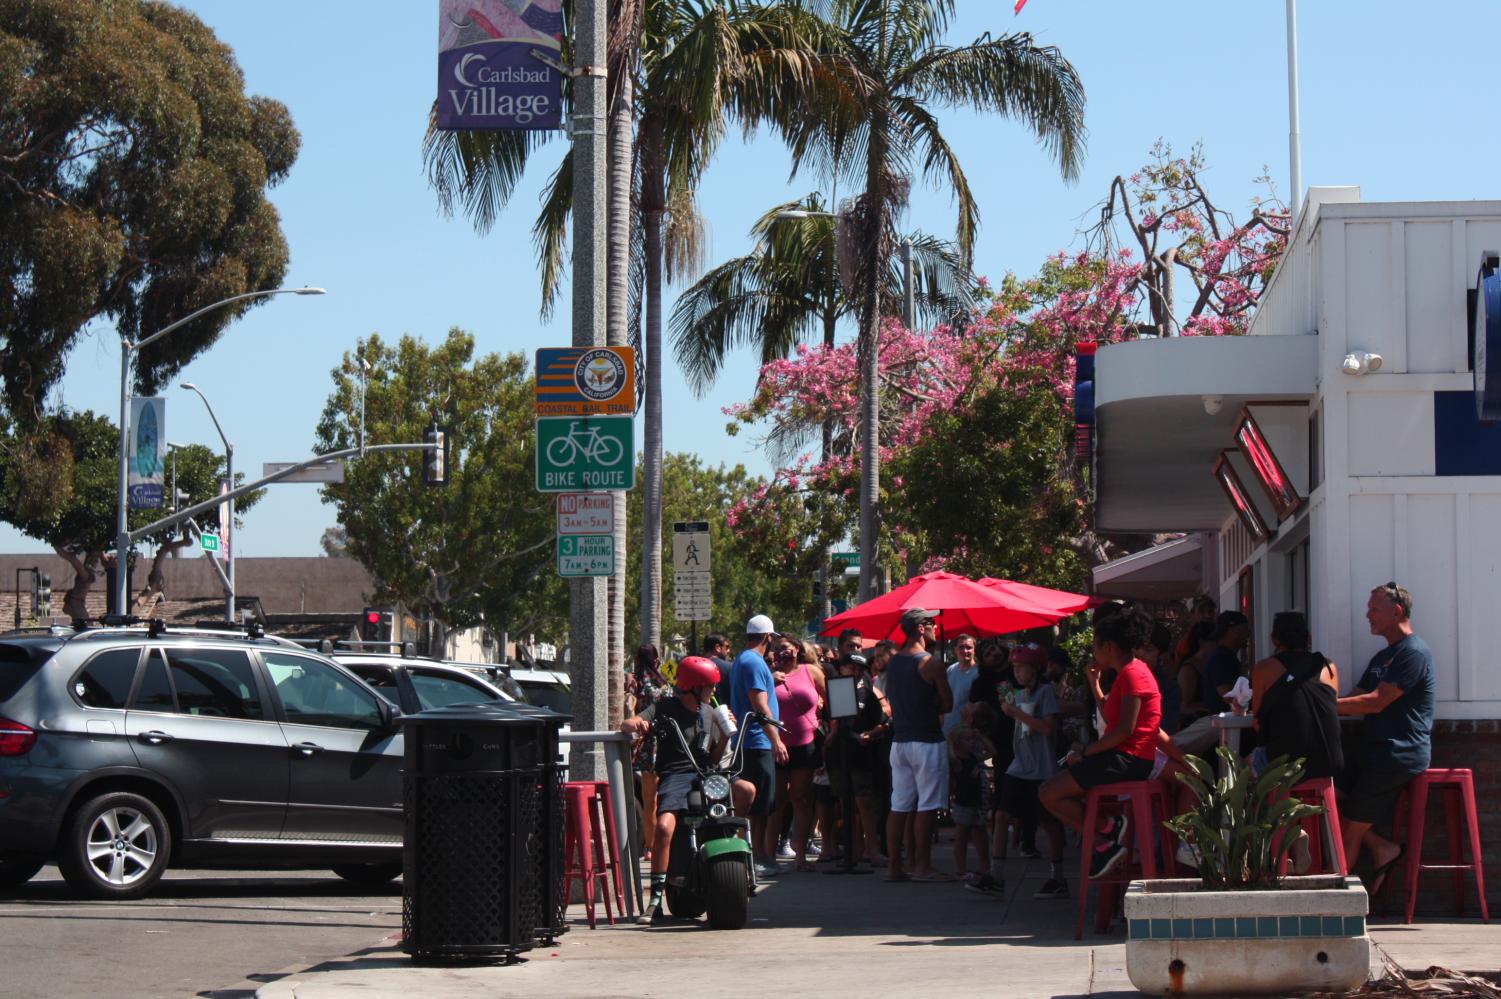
[{"x": 1308, "y": 935}]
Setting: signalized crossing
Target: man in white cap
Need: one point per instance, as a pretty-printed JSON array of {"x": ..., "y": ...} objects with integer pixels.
[{"x": 752, "y": 691}]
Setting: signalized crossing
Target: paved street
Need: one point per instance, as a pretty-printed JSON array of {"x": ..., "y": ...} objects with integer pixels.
[{"x": 202, "y": 933}]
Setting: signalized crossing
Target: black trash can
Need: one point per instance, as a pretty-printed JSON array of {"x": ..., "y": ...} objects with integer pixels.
[{"x": 482, "y": 853}]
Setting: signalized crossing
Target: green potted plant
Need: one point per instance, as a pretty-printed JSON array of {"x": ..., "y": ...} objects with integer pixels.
[{"x": 1239, "y": 928}]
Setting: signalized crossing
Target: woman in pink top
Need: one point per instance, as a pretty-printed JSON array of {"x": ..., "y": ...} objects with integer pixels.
[{"x": 800, "y": 693}]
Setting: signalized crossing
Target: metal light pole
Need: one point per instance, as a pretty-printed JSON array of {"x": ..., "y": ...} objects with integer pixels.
[
  {"x": 174, "y": 447},
  {"x": 226, "y": 529},
  {"x": 128, "y": 351},
  {"x": 588, "y": 599}
]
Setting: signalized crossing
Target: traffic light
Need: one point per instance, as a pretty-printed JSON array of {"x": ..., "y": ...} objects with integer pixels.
[
  {"x": 370, "y": 624},
  {"x": 44, "y": 595},
  {"x": 435, "y": 458}
]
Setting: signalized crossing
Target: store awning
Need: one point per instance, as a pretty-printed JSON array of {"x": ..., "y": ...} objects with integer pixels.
[
  {"x": 1166, "y": 408},
  {"x": 1169, "y": 571}
]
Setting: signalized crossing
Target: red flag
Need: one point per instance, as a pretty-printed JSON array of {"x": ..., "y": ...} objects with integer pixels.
[{"x": 1019, "y": 5}]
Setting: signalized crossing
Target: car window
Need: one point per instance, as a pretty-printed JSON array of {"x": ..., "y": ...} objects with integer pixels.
[
  {"x": 105, "y": 681},
  {"x": 315, "y": 693},
  {"x": 154, "y": 693},
  {"x": 214, "y": 683},
  {"x": 548, "y": 694},
  {"x": 436, "y": 691},
  {"x": 381, "y": 679},
  {"x": 18, "y": 663}
]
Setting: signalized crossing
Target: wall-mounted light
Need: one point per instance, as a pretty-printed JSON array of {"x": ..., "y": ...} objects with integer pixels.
[
  {"x": 1360, "y": 362},
  {"x": 1213, "y": 404}
]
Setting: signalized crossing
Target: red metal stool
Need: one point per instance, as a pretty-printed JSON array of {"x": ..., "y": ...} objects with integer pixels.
[
  {"x": 1320, "y": 791},
  {"x": 1140, "y": 797},
  {"x": 589, "y": 847},
  {"x": 1458, "y": 788}
]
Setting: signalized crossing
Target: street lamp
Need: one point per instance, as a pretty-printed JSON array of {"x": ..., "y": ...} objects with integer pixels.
[
  {"x": 128, "y": 351},
  {"x": 173, "y": 447},
  {"x": 870, "y": 454},
  {"x": 227, "y": 528}
]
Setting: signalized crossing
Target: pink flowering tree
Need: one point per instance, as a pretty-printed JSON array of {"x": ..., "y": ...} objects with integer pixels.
[{"x": 977, "y": 421}]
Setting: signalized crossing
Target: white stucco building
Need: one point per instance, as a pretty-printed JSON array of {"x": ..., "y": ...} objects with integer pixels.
[{"x": 1361, "y": 474}]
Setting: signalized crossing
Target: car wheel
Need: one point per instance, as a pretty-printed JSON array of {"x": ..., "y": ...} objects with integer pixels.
[
  {"x": 16, "y": 872},
  {"x": 369, "y": 874},
  {"x": 115, "y": 846}
]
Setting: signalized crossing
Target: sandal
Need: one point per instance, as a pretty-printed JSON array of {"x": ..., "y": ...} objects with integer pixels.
[{"x": 1378, "y": 876}]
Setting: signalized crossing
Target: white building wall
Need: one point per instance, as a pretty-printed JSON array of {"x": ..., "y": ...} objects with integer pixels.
[{"x": 1392, "y": 282}]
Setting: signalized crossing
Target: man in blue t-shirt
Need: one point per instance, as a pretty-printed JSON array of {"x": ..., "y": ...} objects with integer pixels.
[
  {"x": 1396, "y": 695},
  {"x": 753, "y": 689}
]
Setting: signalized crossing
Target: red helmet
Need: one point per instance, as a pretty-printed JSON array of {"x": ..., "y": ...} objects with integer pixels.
[{"x": 695, "y": 672}]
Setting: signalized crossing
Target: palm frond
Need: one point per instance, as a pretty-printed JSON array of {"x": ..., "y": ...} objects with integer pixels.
[
  {"x": 550, "y": 231},
  {"x": 477, "y": 171},
  {"x": 1013, "y": 77}
]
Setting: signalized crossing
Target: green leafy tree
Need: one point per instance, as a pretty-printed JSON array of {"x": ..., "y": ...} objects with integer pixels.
[
  {"x": 58, "y": 483},
  {"x": 133, "y": 171},
  {"x": 982, "y": 488},
  {"x": 478, "y": 551},
  {"x": 760, "y": 568}
]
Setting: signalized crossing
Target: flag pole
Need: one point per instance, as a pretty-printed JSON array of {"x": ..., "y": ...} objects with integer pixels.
[{"x": 1294, "y": 138}]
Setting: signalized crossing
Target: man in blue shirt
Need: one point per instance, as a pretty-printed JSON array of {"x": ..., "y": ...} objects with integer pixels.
[
  {"x": 1396, "y": 695},
  {"x": 752, "y": 689}
]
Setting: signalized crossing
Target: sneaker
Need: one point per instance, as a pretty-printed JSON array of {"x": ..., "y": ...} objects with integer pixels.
[
  {"x": 1123, "y": 832},
  {"x": 784, "y": 851},
  {"x": 1028, "y": 853},
  {"x": 1106, "y": 860},
  {"x": 1110, "y": 827},
  {"x": 814, "y": 849},
  {"x": 1052, "y": 888},
  {"x": 1187, "y": 855},
  {"x": 987, "y": 885},
  {"x": 651, "y": 917},
  {"x": 767, "y": 871}
]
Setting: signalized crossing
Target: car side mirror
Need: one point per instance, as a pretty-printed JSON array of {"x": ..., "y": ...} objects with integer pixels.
[{"x": 390, "y": 715}]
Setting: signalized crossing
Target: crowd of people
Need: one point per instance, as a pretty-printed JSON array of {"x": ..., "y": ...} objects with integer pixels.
[{"x": 1006, "y": 740}]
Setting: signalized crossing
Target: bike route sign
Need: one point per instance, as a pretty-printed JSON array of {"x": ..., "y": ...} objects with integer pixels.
[
  {"x": 579, "y": 453},
  {"x": 586, "y": 555}
]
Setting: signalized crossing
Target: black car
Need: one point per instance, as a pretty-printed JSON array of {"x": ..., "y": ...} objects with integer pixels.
[{"x": 123, "y": 752}]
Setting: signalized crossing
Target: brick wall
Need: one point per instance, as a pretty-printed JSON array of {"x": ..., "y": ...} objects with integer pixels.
[{"x": 1474, "y": 745}]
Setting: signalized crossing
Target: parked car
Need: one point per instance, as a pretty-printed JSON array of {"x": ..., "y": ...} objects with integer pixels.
[
  {"x": 418, "y": 684},
  {"x": 124, "y": 751}
]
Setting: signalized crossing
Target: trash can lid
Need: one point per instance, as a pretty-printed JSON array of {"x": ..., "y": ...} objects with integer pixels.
[{"x": 490, "y": 713}]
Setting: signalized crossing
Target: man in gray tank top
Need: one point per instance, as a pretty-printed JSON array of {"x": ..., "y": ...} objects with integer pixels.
[{"x": 918, "y": 692}]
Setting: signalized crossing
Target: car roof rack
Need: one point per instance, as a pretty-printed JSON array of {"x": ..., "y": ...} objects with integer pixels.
[{"x": 407, "y": 650}]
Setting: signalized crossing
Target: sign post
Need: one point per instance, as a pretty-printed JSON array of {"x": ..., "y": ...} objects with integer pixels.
[{"x": 692, "y": 588}]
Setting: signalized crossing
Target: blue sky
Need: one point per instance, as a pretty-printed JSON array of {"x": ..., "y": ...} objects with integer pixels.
[{"x": 1391, "y": 101}]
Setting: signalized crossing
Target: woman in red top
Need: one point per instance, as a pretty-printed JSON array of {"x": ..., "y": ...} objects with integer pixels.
[{"x": 1125, "y": 750}]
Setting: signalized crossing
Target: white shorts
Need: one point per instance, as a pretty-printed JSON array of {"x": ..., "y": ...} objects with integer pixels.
[{"x": 919, "y": 776}]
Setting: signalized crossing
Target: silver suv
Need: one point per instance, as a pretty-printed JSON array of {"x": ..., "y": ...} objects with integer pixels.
[{"x": 124, "y": 751}]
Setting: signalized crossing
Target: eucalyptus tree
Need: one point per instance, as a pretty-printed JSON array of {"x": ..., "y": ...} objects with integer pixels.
[
  {"x": 873, "y": 122},
  {"x": 133, "y": 177}
]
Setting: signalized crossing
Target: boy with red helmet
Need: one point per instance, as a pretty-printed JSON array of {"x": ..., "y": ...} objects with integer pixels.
[{"x": 689, "y": 711}]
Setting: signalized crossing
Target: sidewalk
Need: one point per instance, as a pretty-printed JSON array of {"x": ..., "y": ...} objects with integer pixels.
[{"x": 816, "y": 934}]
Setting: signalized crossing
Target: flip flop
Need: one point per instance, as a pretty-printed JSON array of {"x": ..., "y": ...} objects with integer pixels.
[
  {"x": 1378, "y": 876},
  {"x": 937, "y": 877},
  {"x": 893, "y": 878}
]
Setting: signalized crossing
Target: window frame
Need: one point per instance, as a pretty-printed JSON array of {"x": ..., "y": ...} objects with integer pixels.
[{"x": 415, "y": 672}]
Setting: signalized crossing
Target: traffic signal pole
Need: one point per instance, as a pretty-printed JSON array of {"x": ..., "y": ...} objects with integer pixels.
[{"x": 588, "y": 664}]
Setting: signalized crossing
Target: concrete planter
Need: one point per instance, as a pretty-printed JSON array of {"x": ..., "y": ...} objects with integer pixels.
[{"x": 1308, "y": 935}]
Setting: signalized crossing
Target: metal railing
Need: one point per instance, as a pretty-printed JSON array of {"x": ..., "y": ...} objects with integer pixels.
[{"x": 617, "y": 750}]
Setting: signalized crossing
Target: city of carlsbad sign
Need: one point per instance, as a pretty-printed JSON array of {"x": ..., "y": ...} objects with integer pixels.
[{"x": 498, "y": 64}]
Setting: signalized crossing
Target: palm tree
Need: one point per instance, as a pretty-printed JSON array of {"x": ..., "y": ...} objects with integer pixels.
[
  {"x": 705, "y": 63},
  {"x": 873, "y": 122}
]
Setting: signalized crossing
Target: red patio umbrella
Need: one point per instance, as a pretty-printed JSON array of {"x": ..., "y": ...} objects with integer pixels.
[
  {"x": 962, "y": 603},
  {"x": 1058, "y": 602}
]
